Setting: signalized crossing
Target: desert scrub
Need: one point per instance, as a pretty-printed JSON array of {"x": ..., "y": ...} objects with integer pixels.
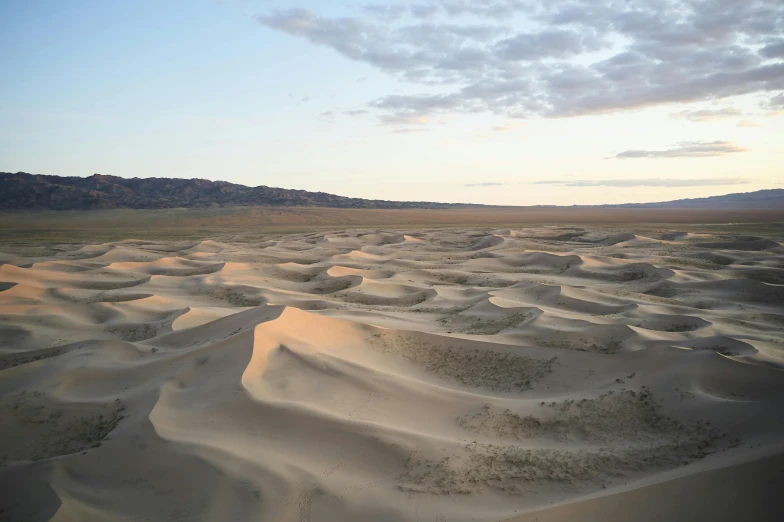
[
  {"x": 437, "y": 310},
  {"x": 628, "y": 416},
  {"x": 292, "y": 275},
  {"x": 48, "y": 428},
  {"x": 11, "y": 361},
  {"x": 332, "y": 286},
  {"x": 619, "y": 434},
  {"x": 681, "y": 328},
  {"x": 632, "y": 275},
  {"x": 95, "y": 284},
  {"x": 133, "y": 332},
  {"x": 691, "y": 263},
  {"x": 235, "y": 298},
  {"x": 481, "y": 326},
  {"x": 375, "y": 300},
  {"x": 481, "y": 368},
  {"x": 661, "y": 291},
  {"x": 452, "y": 278}
]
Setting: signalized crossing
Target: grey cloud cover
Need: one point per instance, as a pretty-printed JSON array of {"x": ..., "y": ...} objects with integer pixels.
[
  {"x": 647, "y": 182},
  {"x": 687, "y": 149},
  {"x": 564, "y": 59},
  {"x": 774, "y": 49}
]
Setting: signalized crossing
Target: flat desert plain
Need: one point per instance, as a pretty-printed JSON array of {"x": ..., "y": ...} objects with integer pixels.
[{"x": 542, "y": 374}]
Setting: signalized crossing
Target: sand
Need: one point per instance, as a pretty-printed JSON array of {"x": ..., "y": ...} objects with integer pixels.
[{"x": 532, "y": 374}]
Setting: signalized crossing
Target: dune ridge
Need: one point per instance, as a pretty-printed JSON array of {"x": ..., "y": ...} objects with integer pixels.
[{"x": 438, "y": 374}]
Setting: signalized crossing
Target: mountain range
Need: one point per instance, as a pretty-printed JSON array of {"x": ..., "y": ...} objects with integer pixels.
[{"x": 22, "y": 191}]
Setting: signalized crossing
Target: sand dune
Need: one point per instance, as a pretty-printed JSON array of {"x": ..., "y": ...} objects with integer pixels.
[{"x": 538, "y": 374}]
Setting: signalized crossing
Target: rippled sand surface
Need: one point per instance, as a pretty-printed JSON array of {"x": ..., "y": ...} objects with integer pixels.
[{"x": 551, "y": 373}]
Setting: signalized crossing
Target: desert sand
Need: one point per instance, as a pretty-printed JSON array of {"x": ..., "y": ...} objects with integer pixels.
[{"x": 464, "y": 374}]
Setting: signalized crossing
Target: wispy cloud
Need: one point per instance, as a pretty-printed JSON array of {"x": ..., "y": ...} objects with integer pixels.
[
  {"x": 510, "y": 126},
  {"x": 506, "y": 127},
  {"x": 327, "y": 117},
  {"x": 485, "y": 184},
  {"x": 748, "y": 123},
  {"x": 646, "y": 182},
  {"x": 355, "y": 112},
  {"x": 706, "y": 115},
  {"x": 686, "y": 149},
  {"x": 403, "y": 119},
  {"x": 409, "y": 130}
]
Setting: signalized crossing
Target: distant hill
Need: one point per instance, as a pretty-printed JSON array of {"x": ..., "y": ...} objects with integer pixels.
[
  {"x": 22, "y": 191},
  {"x": 772, "y": 198}
]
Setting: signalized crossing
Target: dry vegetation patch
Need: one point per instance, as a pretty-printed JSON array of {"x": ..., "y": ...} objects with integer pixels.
[
  {"x": 573, "y": 444},
  {"x": 133, "y": 332},
  {"x": 476, "y": 367},
  {"x": 36, "y": 427},
  {"x": 235, "y": 297},
  {"x": 631, "y": 416},
  {"x": 487, "y": 326}
]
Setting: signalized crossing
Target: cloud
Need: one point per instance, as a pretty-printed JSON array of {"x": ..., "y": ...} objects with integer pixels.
[
  {"x": 775, "y": 104},
  {"x": 649, "y": 182},
  {"x": 551, "y": 43},
  {"x": 355, "y": 112},
  {"x": 385, "y": 13},
  {"x": 408, "y": 130},
  {"x": 774, "y": 49},
  {"x": 423, "y": 10},
  {"x": 486, "y": 8},
  {"x": 506, "y": 127},
  {"x": 485, "y": 184},
  {"x": 534, "y": 58},
  {"x": 707, "y": 114},
  {"x": 403, "y": 119},
  {"x": 686, "y": 149},
  {"x": 748, "y": 123}
]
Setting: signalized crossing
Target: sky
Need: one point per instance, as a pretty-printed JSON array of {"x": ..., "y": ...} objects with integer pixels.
[{"x": 508, "y": 102}]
